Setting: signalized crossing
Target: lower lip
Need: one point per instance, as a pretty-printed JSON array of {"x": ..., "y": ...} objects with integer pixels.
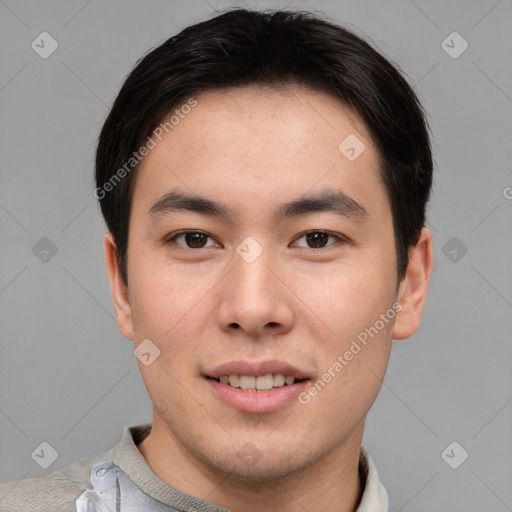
[{"x": 257, "y": 401}]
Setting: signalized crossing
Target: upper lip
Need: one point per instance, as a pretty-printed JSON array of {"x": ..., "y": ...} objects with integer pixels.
[{"x": 256, "y": 369}]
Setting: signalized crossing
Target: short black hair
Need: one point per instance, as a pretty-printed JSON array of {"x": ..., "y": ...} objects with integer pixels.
[{"x": 270, "y": 48}]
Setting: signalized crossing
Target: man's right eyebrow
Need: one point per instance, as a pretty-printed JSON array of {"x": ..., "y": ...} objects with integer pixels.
[{"x": 177, "y": 201}]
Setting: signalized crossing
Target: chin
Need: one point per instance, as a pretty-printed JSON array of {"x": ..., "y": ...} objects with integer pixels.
[
  {"x": 254, "y": 466},
  {"x": 261, "y": 472}
]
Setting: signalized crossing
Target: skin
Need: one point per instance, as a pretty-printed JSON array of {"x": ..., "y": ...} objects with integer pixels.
[{"x": 254, "y": 148}]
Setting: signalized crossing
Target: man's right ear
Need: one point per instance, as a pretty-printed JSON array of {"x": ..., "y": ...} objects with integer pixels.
[{"x": 118, "y": 288}]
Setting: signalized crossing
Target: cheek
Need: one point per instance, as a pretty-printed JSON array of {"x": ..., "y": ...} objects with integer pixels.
[
  {"x": 350, "y": 298},
  {"x": 171, "y": 308},
  {"x": 353, "y": 359},
  {"x": 354, "y": 351},
  {"x": 162, "y": 296}
]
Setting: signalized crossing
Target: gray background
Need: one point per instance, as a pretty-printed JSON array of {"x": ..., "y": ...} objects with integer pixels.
[{"x": 69, "y": 378}]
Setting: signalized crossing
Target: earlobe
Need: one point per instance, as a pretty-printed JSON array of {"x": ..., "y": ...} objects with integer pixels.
[
  {"x": 412, "y": 292},
  {"x": 118, "y": 288}
]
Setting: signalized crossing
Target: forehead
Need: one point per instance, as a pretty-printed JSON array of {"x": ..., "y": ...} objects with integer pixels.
[
  {"x": 253, "y": 141},
  {"x": 289, "y": 118}
]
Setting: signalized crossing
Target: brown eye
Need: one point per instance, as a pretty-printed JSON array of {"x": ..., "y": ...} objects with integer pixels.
[
  {"x": 191, "y": 239},
  {"x": 318, "y": 239},
  {"x": 195, "y": 240}
]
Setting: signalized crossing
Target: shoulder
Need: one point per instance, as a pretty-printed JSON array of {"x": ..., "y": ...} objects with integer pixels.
[{"x": 54, "y": 492}]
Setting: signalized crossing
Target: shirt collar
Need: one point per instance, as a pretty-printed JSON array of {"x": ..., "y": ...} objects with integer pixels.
[{"x": 375, "y": 497}]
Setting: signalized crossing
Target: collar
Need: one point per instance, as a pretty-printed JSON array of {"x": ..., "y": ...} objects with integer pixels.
[{"x": 375, "y": 497}]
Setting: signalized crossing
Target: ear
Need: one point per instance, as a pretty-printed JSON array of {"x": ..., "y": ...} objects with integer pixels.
[
  {"x": 412, "y": 291},
  {"x": 118, "y": 288}
]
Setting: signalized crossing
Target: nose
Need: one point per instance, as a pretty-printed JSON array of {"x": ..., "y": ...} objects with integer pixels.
[{"x": 255, "y": 297}]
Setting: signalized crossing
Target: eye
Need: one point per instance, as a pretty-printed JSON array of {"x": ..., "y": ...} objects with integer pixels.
[
  {"x": 318, "y": 239},
  {"x": 199, "y": 240},
  {"x": 192, "y": 239}
]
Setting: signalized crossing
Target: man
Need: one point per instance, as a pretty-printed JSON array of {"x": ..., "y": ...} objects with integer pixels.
[{"x": 264, "y": 179}]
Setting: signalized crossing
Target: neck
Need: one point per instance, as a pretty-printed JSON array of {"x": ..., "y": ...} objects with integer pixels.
[{"x": 330, "y": 484}]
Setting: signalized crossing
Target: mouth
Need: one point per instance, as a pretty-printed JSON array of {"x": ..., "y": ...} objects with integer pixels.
[
  {"x": 257, "y": 384},
  {"x": 257, "y": 387}
]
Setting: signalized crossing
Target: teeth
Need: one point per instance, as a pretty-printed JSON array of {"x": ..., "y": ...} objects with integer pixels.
[
  {"x": 233, "y": 381},
  {"x": 289, "y": 380},
  {"x": 261, "y": 383},
  {"x": 264, "y": 382},
  {"x": 279, "y": 380},
  {"x": 247, "y": 382}
]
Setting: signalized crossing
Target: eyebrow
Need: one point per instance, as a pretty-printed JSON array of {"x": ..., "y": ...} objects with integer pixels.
[{"x": 329, "y": 201}]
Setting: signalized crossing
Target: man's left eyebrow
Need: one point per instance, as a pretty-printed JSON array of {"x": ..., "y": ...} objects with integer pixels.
[{"x": 329, "y": 201}]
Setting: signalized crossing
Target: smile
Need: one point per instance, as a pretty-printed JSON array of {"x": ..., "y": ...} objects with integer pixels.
[{"x": 261, "y": 383}]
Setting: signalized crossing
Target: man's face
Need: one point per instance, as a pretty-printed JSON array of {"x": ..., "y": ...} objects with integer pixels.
[{"x": 253, "y": 286}]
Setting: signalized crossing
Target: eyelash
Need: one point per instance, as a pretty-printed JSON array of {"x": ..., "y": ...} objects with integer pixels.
[{"x": 172, "y": 239}]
